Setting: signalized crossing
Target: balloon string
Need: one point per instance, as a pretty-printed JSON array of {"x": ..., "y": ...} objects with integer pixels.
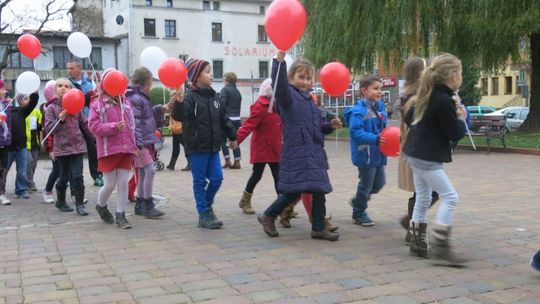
[
  {"x": 5, "y": 108},
  {"x": 54, "y": 127},
  {"x": 121, "y": 106},
  {"x": 94, "y": 77},
  {"x": 273, "y": 99}
]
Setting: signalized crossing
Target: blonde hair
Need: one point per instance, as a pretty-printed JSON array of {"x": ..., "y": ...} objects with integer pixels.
[
  {"x": 59, "y": 80},
  {"x": 412, "y": 70},
  {"x": 442, "y": 68},
  {"x": 300, "y": 64},
  {"x": 140, "y": 76}
]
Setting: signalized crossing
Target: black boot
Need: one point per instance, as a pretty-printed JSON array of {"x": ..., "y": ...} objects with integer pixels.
[
  {"x": 138, "y": 206},
  {"x": 407, "y": 218},
  {"x": 441, "y": 248},
  {"x": 121, "y": 221},
  {"x": 207, "y": 219},
  {"x": 149, "y": 210},
  {"x": 79, "y": 203},
  {"x": 172, "y": 163},
  {"x": 61, "y": 203},
  {"x": 104, "y": 214},
  {"x": 419, "y": 239}
]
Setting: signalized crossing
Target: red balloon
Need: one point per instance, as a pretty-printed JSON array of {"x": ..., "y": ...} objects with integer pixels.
[
  {"x": 115, "y": 83},
  {"x": 158, "y": 134},
  {"x": 73, "y": 101},
  {"x": 391, "y": 145},
  {"x": 285, "y": 22},
  {"x": 29, "y": 46},
  {"x": 172, "y": 72},
  {"x": 335, "y": 78}
]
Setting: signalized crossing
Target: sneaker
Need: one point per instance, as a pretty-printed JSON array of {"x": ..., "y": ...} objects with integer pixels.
[
  {"x": 98, "y": 182},
  {"x": 23, "y": 195},
  {"x": 121, "y": 221},
  {"x": 4, "y": 200},
  {"x": 363, "y": 220},
  {"x": 48, "y": 197}
]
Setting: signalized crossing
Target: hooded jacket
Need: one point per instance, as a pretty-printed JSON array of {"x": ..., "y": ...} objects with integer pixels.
[
  {"x": 147, "y": 117},
  {"x": 18, "y": 123},
  {"x": 68, "y": 138}
]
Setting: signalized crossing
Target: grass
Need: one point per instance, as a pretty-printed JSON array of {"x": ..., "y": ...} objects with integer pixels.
[{"x": 513, "y": 140}]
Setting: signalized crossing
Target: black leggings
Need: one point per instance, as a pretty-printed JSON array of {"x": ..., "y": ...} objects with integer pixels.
[{"x": 256, "y": 175}]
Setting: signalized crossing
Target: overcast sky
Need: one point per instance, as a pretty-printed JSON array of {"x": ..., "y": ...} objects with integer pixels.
[{"x": 19, "y": 14}]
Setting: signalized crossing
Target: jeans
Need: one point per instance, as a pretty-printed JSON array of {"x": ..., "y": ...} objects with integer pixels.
[
  {"x": 236, "y": 152},
  {"x": 53, "y": 177},
  {"x": 31, "y": 164},
  {"x": 318, "y": 211},
  {"x": 371, "y": 181},
  {"x": 207, "y": 177},
  {"x": 71, "y": 167},
  {"x": 424, "y": 182},
  {"x": 256, "y": 175},
  {"x": 3, "y": 170},
  {"x": 19, "y": 156}
]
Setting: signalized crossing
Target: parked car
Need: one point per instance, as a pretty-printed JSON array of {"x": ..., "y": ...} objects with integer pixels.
[
  {"x": 480, "y": 110},
  {"x": 515, "y": 116}
]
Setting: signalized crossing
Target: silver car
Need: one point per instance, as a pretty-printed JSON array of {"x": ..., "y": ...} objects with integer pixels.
[{"x": 515, "y": 116}]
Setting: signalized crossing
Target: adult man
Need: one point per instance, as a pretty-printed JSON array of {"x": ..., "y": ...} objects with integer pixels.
[
  {"x": 81, "y": 82},
  {"x": 231, "y": 99}
]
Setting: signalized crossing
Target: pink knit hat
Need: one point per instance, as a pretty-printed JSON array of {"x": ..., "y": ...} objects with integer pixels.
[
  {"x": 265, "y": 89},
  {"x": 2, "y": 84},
  {"x": 50, "y": 90}
]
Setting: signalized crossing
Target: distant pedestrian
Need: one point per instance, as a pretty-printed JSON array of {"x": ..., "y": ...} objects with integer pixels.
[{"x": 231, "y": 100}]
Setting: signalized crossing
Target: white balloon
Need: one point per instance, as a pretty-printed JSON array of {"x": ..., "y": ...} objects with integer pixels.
[
  {"x": 27, "y": 83},
  {"x": 79, "y": 45},
  {"x": 151, "y": 58}
]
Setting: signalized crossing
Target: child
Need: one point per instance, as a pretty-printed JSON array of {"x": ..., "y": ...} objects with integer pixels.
[
  {"x": 111, "y": 121},
  {"x": 68, "y": 148},
  {"x": 33, "y": 144},
  {"x": 366, "y": 120},
  {"x": 204, "y": 120},
  {"x": 303, "y": 164},
  {"x": 5, "y": 140},
  {"x": 22, "y": 106},
  {"x": 265, "y": 144},
  {"x": 147, "y": 119},
  {"x": 434, "y": 120}
]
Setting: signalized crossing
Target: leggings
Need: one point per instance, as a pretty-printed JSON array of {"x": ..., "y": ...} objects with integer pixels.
[
  {"x": 146, "y": 181},
  {"x": 118, "y": 178},
  {"x": 256, "y": 175}
]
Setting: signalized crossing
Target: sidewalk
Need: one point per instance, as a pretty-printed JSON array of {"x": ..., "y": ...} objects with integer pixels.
[{"x": 51, "y": 257}]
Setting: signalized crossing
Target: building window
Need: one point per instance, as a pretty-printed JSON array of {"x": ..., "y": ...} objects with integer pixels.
[
  {"x": 484, "y": 86},
  {"x": 206, "y": 5},
  {"x": 150, "y": 27},
  {"x": 218, "y": 69},
  {"x": 61, "y": 55},
  {"x": 262, "y": 9},
  {"x": 169, "y": 3},
  {"x": 170, "y": 28},
  {"x": 17, "y": 61},
  {"x": 148, "y": 2},
  {"x": 216, "y": 5},
  {"x": 263, "y": 69},
  {"x": 262, "y": 34},
  {"x": 216, "y": 32},
  {"x": 508, "y": 85},
  {"x": 495, "y": 86}
]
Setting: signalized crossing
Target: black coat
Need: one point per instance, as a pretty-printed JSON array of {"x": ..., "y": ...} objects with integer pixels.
[
  {"x": 430, "y": 138},
  {"x": 231, "y": 99},
  {"x": 203, "y": 121},
  {"x": 18, "y": 123}
]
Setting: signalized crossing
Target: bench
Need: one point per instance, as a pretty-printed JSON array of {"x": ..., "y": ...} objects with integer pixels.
[{"x": 489, "y": 126}]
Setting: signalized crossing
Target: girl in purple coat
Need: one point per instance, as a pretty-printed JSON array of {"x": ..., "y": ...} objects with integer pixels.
[
  {"x": 68, "y": 147},
  {"x": 111, "y": 121},
  {"x": 303, "y": 163}
]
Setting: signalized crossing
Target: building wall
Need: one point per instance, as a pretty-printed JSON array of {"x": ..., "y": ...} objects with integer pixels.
[{"x": 501, "y": 89}]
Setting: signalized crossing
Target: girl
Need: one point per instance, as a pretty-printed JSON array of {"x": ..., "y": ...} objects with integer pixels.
[
  {"x": 5, "y": 141},
  {"x": 68, "y": 148},
  {"x": 412, "y": 70},
  {"x": 303, "y": 163},
  {"x": 111, "y": 121},
  {"x": 147, "y": 118},
  {"x": 366, "y": 120},
  {"x": 265, "y": 144},
  {"x": 435, "y": 120}
]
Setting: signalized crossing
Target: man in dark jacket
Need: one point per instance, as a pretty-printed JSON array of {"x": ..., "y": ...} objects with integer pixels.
[{"x": 231, "y": 100}]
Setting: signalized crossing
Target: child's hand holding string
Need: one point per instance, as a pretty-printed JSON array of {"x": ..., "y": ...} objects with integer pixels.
[
  {"x": 280, "y": 56},
  {"x": 120, "y": 126},
  {"x": 336, "y": 123},
  {"x": 62, "y": 115}
]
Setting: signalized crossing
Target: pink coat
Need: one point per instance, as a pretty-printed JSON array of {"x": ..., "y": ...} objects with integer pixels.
[{"x": 102, "y": 120}]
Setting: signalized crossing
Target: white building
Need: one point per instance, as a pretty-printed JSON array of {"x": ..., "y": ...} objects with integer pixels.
[{"x": 229, "y": 34}]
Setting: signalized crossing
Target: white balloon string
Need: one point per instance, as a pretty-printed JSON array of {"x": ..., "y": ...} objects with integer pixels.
[
  {"x": 121, "y": 106},
  {"x": 337, "y": 115},
  {"x": 94, "y": 77},
  {"x": 54, "y": 127},
  {"x": 271, "y": 107}
]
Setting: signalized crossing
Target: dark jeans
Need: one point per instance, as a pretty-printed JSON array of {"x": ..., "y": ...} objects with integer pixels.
[
  {"x": 236, "y": 152},
  {"x": 19, "y": 157},
  {"x": 318, "y": 211},
  {"x": 371, "y": 181},
  {"x": 177, "y": 140},
  {"x": 256, "y": 175},
  {"x": 53, "y": 176},
  {"x": 71, "y": 164},
  {"x": 3, "y": 171},
  {"x": 92, "y": 155}
]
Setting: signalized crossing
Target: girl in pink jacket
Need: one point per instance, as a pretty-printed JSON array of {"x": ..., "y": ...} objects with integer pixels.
[{"x": 111, "y": 121}]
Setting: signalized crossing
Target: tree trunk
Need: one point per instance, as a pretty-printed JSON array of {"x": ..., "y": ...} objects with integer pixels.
[{"x": 532, "y": 123}]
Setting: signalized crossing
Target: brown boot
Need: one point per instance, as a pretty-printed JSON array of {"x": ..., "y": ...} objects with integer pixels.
[
  {"x": 268, "y": 224},
  {"x": 236, "y": 164},
  {"x": 329, "y": 226},
  {"x": 285, "y": 217},
  {"x": 245, "y": 203},
  {"x": 325, "y": 235},
  {"x": 419, "y": 239},
  {"x": 441, "y": 248},
  {"x": 227, "y": 164}
]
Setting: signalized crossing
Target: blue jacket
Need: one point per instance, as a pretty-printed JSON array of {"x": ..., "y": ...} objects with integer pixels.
[
  {"x": 85, "y": 86},
  {"x": 364, "y": 128},
  {"x": 303, "y": 164}
]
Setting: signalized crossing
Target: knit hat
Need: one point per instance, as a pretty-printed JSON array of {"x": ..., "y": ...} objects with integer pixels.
[
  {"x": 195, "y": 68},
  {"x": 50, "y": 90},
  {"x": 19, "y": 98},
  {"x": 265, "y": 90},
  {"x": 2, "y": 84}
]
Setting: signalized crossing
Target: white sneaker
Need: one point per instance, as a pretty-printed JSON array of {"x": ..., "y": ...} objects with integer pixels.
[
  {"x": 4, "y": 200},
  {"x": 48, "y": 197}
]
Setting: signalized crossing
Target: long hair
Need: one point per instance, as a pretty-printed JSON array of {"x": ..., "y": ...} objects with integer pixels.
[
  {"x": 412, "y": 70},
  {"x": 439, "y": 72}
]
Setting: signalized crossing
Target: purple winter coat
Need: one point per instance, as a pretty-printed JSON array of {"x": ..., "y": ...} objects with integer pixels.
[
  {"x": 147, "y": 118},
  {"x": 303, "y": 164},
  {"x": 68, "y": 137},
  {"x": 5, "y": 132}
]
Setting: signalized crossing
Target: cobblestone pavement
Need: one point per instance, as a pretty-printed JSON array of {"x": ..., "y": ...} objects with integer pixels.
[{"x": 51, "y": 257}]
